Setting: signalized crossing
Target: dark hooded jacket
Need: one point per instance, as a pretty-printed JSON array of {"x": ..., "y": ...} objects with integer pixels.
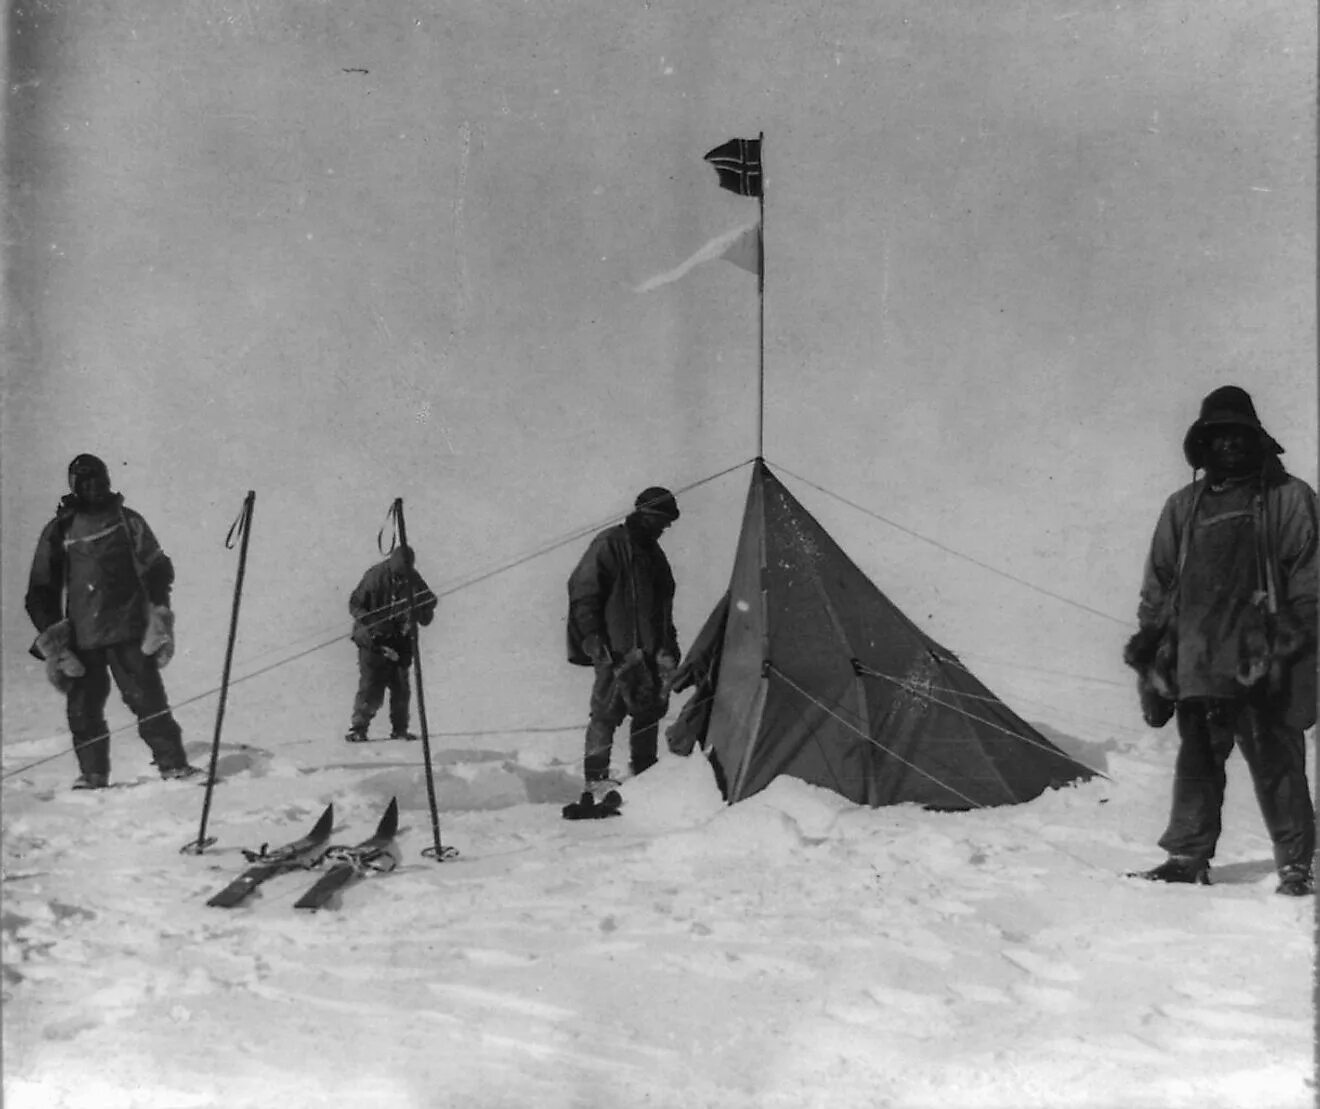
[
  {"x": 1238, "y": 545},
  {"x": 379, "y": 606},
  {"x": 95, "y": 566},
  {"x": 623, "y": 591}
]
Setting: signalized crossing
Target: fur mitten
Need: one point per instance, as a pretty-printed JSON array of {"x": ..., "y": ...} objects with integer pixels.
[
  {"x": 1293, "y": 637},
  {"x": 639, "y": 685},
  {"x": 1254, "y": 655},
  {"x": 1153, "y": 653},
  {"x": 158, "y": 640},
  {"x": 1163, "y": 670},
  {"x": 1139, "y": 651},
  {"x": 1156, "y": 709},
  {"x": 1269, "y": 646},
  {"x": 1270, "y": 642},
  {"x": 55, "y": 645}
]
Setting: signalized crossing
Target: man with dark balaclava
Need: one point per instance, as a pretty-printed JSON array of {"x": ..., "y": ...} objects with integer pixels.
[
  {"x": 621, "y": 623},
  {"x": 382, "y": 631},
  {"x": 99, "y": 596},
  {"x": 1227, "y": 640}
]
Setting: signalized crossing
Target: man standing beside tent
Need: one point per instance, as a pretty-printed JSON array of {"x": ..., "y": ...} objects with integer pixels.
[
  {"x": 99, "y": 596},
  {"x": 1227, "y": 639},
  {"x": 382, "y": 631},
  {"x": 621, "y": 623}
]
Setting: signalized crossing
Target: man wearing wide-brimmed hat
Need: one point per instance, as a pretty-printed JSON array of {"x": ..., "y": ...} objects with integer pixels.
[{"x": 1227, "y": 639}]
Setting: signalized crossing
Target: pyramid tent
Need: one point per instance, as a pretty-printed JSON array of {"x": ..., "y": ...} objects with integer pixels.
[{"x": 807, "y": 669}]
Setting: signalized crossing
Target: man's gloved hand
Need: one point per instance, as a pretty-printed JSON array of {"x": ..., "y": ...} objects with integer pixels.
[
  {"x": 55, "y": 645},
  {"x": 158, "y": 640},
  {"x": 390, "y": 653},
  {"x": 1293, "y": 636},
  {"x": 1139, "y": 651},
  {"x": 361, "y": 636},
  {"x": 597, "y": 650}
]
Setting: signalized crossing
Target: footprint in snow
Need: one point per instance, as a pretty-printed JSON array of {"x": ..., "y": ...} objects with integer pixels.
[
  {"x": 1049, "y": 999},
  {"x": 488, "y": 957},
  {"x": 738, "y": 966},
  {"x": 1040, "y": 967}
]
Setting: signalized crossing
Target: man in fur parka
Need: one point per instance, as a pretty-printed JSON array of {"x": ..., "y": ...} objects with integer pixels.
[
  {"x": 1227, "y": 639},
  {"x": 621, "y": 623},
  {"x": 99, "y": 596},
  {"x": 382, "y": 631}
]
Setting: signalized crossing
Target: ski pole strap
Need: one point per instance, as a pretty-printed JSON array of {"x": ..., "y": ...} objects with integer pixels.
[
  {"x": 1264, "y": 554},
  {"x": 240, "y": 524},
  {"x": 392, "y": 522}
]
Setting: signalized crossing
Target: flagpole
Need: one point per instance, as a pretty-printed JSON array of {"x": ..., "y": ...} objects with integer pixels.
[
  {"x": 760, "y": 291},
  {"x": 741, "y": 169}
]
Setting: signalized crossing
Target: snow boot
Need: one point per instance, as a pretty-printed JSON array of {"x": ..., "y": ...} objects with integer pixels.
[
  {"x": 1179, "y": 868},
  {"x": 179, "y": 773},
  {"x": 404, "y": 734},
  {"x": 599, "y": 800},
  {"x": 602, "y": 788},
  {"x": 91, "y": 781},
  {"x": 1295, "y": 881},
  {"x": 606, "y": 797},
  {"x": 356, "y": 735}
]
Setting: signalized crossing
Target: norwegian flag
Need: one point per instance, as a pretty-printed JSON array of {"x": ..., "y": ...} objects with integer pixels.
[{"x": 738, "y": 163}]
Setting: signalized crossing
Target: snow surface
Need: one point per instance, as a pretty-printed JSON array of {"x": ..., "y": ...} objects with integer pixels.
[
  {"x": 343, "y": 253},
  {"x": 791, "y": 951}
]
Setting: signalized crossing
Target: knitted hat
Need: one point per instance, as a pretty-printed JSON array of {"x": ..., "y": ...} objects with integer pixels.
[
  {"x": 657, "y": 501},
  {"x": 1228, "y": 405}
]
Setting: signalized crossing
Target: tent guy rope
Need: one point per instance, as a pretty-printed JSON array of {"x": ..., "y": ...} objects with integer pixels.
[
  {"x": 915, "y": 691},
  {"x": 573, "y": 536},
  {"x": 958, "y": 554}
]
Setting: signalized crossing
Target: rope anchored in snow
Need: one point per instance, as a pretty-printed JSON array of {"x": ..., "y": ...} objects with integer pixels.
[
  {"x": 574, "y": 536},
  {"x": 925, "y": 692}
]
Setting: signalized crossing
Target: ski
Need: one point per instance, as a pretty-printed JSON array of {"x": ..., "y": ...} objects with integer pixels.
[
  {"x": 352, "y": 862},
  {"x": 587, "y": 807},
  {"x": 300, "y": 853}
]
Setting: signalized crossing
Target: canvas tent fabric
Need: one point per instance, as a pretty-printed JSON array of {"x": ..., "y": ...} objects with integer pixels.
[
  {"x": 700, "y": 671},
  {"x": 813, "y": 672}
]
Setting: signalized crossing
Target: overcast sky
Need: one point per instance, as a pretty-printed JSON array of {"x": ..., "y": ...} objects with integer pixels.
[{"x": 339, "y": 253}]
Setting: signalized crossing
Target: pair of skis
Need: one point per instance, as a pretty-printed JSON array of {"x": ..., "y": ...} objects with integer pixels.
[{"x": 347, "y": 862}]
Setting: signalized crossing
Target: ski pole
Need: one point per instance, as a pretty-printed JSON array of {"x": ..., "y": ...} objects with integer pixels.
[
  {"x": 437, "y": 852},
  {"x": 243, "y": 527}
]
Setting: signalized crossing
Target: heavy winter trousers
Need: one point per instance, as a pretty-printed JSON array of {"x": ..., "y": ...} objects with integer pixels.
[
  {"x": 140, "y": 685},
  {"x": 376, "y": 676},
  {"x": 1276, "y": 756},
  {"x": 609, "y": 708}
]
